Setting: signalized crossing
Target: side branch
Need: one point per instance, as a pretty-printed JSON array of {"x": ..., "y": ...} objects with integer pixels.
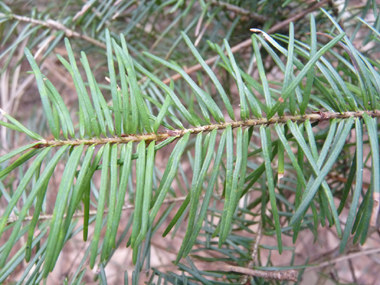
[
  {"x": 281, "y": 275},
  {"x": 12, "y": 220},
  {"x": 51, "y": 24},
  {"x": 240, "y": 11},
  {"x": 321, "y": 116}
]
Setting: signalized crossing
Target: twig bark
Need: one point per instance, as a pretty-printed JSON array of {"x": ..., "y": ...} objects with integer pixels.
[
  {"x": 343, "y": 258},
  {"x": 282, "y": 275},
  {"x": 239, "y": 10},
  {"x": 256, "y": 245},
  {"x": 322, "y": 116},
  {"x": 51, "y": 24},
  {"x": 335, "y": 177},
  {"x": 94, "y": 212},
  {"x": 254, "y": 252}
]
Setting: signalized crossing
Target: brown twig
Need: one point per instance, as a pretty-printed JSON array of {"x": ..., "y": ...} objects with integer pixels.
[
  {"x": 254, "y": 252},
  {"x": 256, "y": 245},
  {"x": 365, "y": 185},
  {"x": 321, "y": 116},
  {"x": 282, "y": 275},
  {"x": 376, "y": 198},
  {"x": 82, "y": 11},
  {"x": 375, "y": 209},
  {"x": 343, "y": 258},
  {"x": 241, "y": 11},
  {"x": 94, "y": 212},
  {"x": 333, "y": 255},
  {"x": 248, "y": 42},
  {"x": 51, "y": 24},
  {"x": 352, "y": 270}
]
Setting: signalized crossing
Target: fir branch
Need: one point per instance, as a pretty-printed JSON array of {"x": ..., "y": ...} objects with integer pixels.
[
  {"x": 313, "y": 117},
  {"x": 352, "y": 83}
]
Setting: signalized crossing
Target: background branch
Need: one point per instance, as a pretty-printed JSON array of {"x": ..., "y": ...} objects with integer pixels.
[
  {"x": 52, "y": 24},
  {"x": 281, "y": 275},
  {"x": 248, "y": 42}
]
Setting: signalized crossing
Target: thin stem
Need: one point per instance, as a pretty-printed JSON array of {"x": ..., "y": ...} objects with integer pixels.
[
  {"x": 94, "y": 212},
  {"x": 51, "y": 24},
  {"x": 240, "y": 11},
  {"x": 343, "y": 258},
  {"x": 336, "y": 177},
  {"x": 256, "y": 245},
  {"x": 321, "y": 116},
  {"x": 124, "y": 208},
  {"x": 254, "y": 252},
  {"x": 289, "y": 275}
]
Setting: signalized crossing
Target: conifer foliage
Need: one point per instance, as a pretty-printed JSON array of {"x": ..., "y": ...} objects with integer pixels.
[{"x": 258, "y": 117}]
